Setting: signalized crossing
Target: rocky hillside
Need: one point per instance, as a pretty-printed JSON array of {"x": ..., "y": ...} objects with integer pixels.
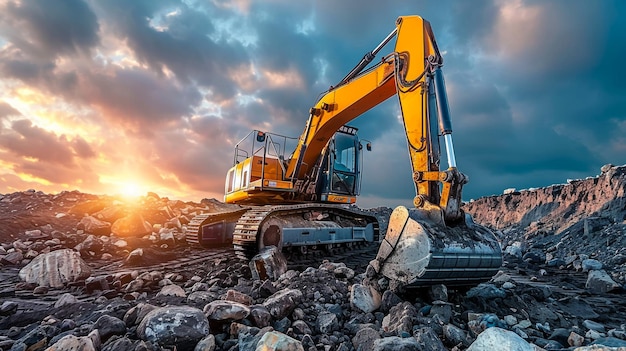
[{"x": 584, "y": 216}]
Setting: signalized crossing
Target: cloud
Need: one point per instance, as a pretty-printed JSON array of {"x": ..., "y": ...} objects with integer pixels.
[{"x": 40, "y": 30}]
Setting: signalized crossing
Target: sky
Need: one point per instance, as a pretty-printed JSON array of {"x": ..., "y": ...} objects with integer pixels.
[{"x": 116, "y": 96}]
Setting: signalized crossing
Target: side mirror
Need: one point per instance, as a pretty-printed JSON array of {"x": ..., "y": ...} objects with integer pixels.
[
  {"x": 368, "y": 146},
  {"x": 260, "y": 137}
]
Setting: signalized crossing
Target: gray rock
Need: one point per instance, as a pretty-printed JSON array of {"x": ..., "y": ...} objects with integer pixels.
[
  {"x": 108, "y": 326},
  {"x": 275, "y": 341},
  {"x": 221, "y": 310},
  {"x": 389, "y": 300},
  {"x": 172, "y": 290},
  {"x": 12, "y": 259},
  {"x": 327, "y": 322},
  {"x": 486, "y": 291},
  {"x": 207, "y": 344},
  {"x": 599, "y": 281},
  {"x": 591, "y": 264},
  {"x": 65, "y": 299},
  {"x": 300, "y": 327},
  {"x": 365, "y": 298},
  {"x": 282, "y": 303},
  {"x": 179, "y": 326},
  {"x": 136, "y": 314},
  {"x": 55, "y": 269},
  {"x": 395, "y": 343},
  {"x": 270, "y": 263},
  {"x": 455, "y": 335},
  {"x": 400, "y": 319},
  {"x": 201, "y": 298},
  {"x": 610, "y": 342},
  {"x": 119, "y": 344},
  {"x": 8, "y": 308},
  {"x": 74, "y": 343},
  {"x": 589, "y": 324},
  {"x": 94, "y": 226},
  {"x": 365, "y": 338},
  {"x": 260, "y": 316},
  {"x": 428, "y": 340},
  {"x": 499, "y": 339}
]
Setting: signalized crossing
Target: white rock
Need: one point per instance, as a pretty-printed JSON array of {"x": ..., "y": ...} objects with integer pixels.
[
  {"x": 499, "y": 339},
  {"x": 55, "y": 269}
]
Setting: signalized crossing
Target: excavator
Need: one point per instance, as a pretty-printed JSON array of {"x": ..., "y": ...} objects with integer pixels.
[{"x": 302, "y": 201}]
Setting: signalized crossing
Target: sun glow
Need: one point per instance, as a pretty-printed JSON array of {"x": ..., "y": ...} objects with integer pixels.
[{"x": 131, "y": 189}]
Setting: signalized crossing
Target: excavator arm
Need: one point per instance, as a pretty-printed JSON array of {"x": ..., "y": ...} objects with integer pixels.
[{"x": 413, "y": 73}]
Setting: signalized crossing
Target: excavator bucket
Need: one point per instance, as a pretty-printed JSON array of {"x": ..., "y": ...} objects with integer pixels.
[{"x": 419, "y": 249}]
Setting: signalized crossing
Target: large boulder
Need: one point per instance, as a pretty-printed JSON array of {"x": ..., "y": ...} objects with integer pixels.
[
  {"x": 599, "y": 281},
  {"x": 132, "y": 225},
  {"x": 365, "y": 298},
  {"x": 55, "y": 269},
  {"x": 179, "y": 326},
  {"x": 74, "y": 343}
]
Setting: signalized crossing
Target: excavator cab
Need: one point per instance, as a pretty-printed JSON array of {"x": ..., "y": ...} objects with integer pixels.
[{"x": 340, "y": 178}]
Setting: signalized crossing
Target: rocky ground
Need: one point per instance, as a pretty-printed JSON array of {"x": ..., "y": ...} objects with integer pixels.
[{"x": 87, "y": 272}]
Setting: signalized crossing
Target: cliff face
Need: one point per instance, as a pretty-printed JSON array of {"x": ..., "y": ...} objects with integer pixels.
[
  {"x": 582, "y": 217},
  {"x": 558, "y": 206}
]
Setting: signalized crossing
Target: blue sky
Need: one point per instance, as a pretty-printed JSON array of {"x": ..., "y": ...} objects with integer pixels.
[{"x": 136, "y": 96}]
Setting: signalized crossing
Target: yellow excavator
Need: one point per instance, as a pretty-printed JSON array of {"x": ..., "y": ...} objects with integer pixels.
[{"x": 302, "y": 201}]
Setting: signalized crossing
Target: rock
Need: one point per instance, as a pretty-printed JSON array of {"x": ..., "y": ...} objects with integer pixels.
[
  {"x": 282, "y": 303},
  {"x": 365, "y": 338},
  {"x": 236, "y": 296},
  {"x": 599, "y": 281},
  {"x": 206, "y": 344},
  {"x": 270, "y": 263},
  {"x": 364, "y": 298},
  {"x": 136, "y": 314},
  {"x": 90, "y": 246},
  {"x": 94, "y": 226},
  {"x": 221, "y": 310},
  {"x": 594, "y": 326},
  {"x": 13, "y": 258},
  {"x": 395, "y": 343},
  {"x": 133, "y": 225},
  {"x": 276, "y": 341},
  {"x": 400, "y": 319},
  {"x": 55, "y": 269},
  {"x": 135, "y": 257},
  {"x": 439, "y": 292},
  {"x": 74, "y": 343},
  {"x": 178, "y": 326},
  {"x": 123, "y": 343},
  {"x": 591, "y": 264},
  {"x": 201, "y": 298},
  {"x": 65, "y": 299},
  {"x": 499, "y": 339},
  {"x": 610, "y": 342},
  {"x": 172, "y": 290},
  {"x": 455, "y": 335},
  {"x": 327, "y": 322},
  {"x": 8, "y": 308},
  {"x": 108, "y": 326},
  {"x": 260, "y": 316},
  {"x": 486, "y": 291},
  {"x": 389, "y": 300},
  {"x": 300, "y": 327},
  {"x": 575, "y": 340}
]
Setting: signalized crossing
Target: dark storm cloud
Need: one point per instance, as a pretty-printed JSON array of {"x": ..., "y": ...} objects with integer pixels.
[
  {"x": 185, "y": 47},
  {"x": 44, "y": 29}
]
